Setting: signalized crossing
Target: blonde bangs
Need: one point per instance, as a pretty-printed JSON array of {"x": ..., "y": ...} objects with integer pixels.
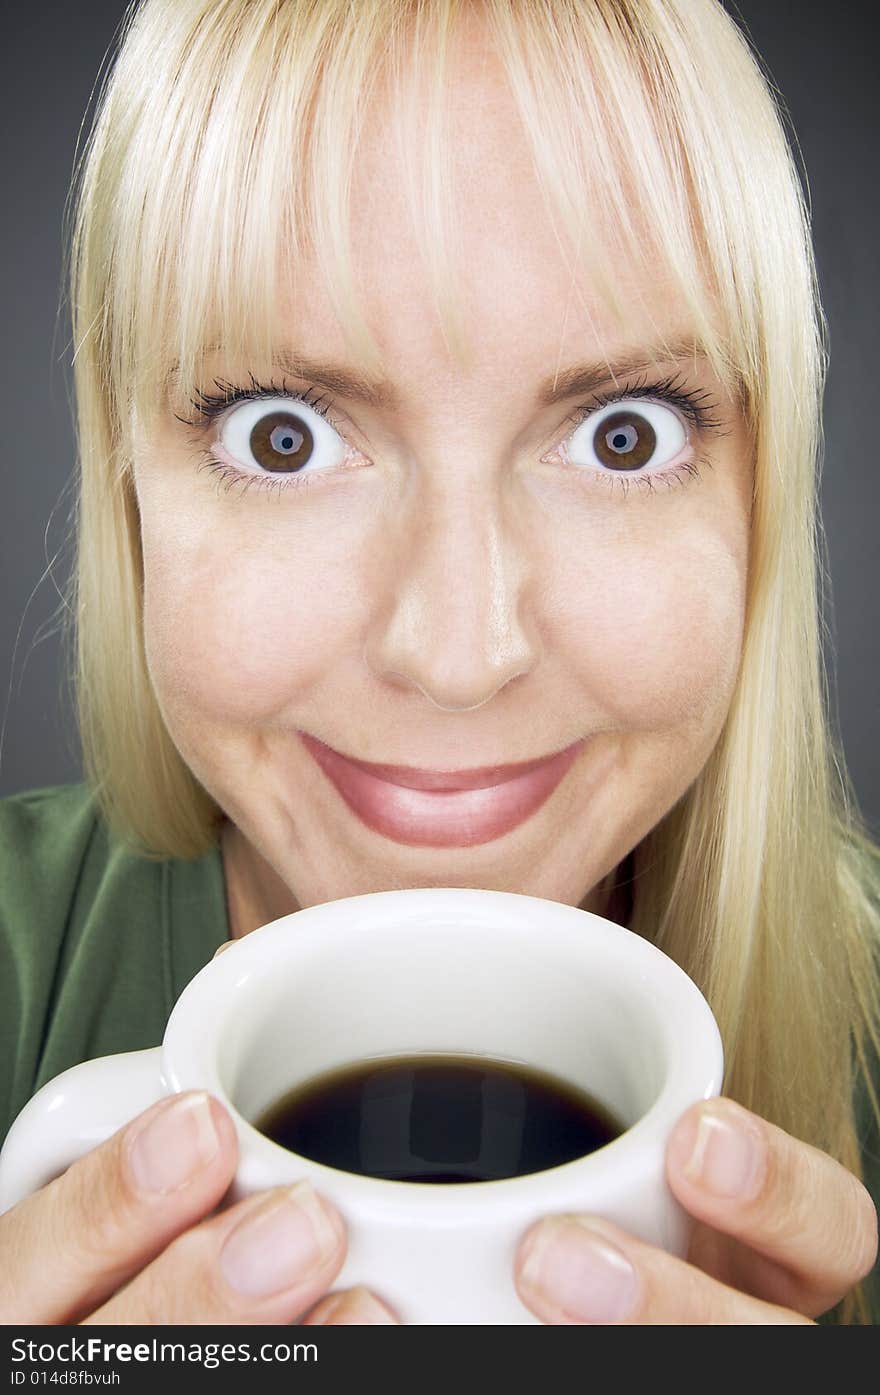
[{"x": 222, "y": 159}]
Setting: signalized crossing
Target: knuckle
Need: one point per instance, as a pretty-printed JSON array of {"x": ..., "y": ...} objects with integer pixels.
[
  {"x": 702, "y": 1297},
  {"x": 145, "y": 1301},
  {"x": 24, "y": 1234},
  {"x": 669, "y": 1290},
  {"x": 174, "y": 1288},
  {"x": 94, "y": 1207},
  {"x": 785, "y": 1204},
  {"x": 789, "y": 1210},
  {"x": 359, "y": 1307}
]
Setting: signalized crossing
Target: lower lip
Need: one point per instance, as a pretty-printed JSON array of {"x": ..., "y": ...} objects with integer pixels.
[{"x": 446, "y": 818}]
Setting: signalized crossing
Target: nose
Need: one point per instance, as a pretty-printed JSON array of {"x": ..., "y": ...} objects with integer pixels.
[{"x": 456, "y": 623}]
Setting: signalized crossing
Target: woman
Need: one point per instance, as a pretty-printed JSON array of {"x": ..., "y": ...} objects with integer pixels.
[{"x": 510, "y": 459}]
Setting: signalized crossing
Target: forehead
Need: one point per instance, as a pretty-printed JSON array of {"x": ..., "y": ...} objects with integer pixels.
[{"x": 520, "y": 287}]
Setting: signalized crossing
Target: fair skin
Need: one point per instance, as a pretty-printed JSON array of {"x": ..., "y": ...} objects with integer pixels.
[{"x": 459, "y": 597}]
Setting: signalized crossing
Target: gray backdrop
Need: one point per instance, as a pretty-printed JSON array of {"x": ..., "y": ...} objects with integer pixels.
[{"x": 820, "y": 56}]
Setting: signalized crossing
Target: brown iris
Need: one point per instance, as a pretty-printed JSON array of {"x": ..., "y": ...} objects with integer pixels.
[
  {"x": 281, "y": 441},
  {"x": 625, "y": 441}
]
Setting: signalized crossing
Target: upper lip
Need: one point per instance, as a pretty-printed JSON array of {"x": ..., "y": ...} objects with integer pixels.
[{"x": 413, "y": 777}]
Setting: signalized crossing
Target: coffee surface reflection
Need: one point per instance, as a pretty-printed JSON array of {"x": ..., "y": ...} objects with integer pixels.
[{"x": 439, "y": 1118}]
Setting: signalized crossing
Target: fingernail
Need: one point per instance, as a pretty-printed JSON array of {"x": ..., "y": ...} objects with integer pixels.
[
  {"x": 280, "y": 1244},
  {"x": 355, "y": 1308},
  {"x": 227, "y": 944},
  {"x": 727, "y": 1157},
  {"x": 578, "y": 1272},
  {"x": 167, "y": 1149}
]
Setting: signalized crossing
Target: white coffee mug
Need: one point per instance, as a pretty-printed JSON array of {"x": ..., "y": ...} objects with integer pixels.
[{"x": 394, "y": 973}]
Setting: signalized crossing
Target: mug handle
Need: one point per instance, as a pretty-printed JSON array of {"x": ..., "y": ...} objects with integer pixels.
[{"x": 72, "y": 1114}]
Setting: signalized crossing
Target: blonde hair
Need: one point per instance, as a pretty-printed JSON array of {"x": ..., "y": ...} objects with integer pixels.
[{"x": 655, "y": 134}]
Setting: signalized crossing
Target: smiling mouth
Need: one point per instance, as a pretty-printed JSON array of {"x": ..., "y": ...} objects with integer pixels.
[{"x": 443, "y": 809}]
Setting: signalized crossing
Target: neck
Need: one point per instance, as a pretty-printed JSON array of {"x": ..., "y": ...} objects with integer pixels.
[
  {"x": 255, "y": 894},
  {"x": 615, "y": 901}
]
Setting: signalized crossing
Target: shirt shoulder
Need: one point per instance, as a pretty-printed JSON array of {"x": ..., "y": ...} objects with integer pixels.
[
  {"x": 96, "y": 940},
  {"x": 44, "y": 838},
  {"x": 54, "y": 822}
]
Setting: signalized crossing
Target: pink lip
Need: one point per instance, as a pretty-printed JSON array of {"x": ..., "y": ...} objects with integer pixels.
[{"x": 442, "y": 809}]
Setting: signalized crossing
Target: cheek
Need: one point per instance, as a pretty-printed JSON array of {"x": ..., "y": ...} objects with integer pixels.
[
  {"x": 233, "y": 634},
  {"x": 658, "y": 630}
]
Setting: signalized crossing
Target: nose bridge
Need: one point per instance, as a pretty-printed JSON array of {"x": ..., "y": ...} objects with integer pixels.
[{"x": 457, "y": 625}]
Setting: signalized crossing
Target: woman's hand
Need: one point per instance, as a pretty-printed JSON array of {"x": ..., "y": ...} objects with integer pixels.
[
  {"x": 783, "y": 1233},
  {"x": 121, "y": 1237}
]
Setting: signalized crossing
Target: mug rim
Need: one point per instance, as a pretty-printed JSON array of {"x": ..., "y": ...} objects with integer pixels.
[{"x": 695, "y": 1069}]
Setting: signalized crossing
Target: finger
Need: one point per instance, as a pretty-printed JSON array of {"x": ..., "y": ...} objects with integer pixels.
[
  {"x": 227, "y": 944},
  {"x": 77, "y": 1239},
  {"x": 579, "y": 1270},
  {"x": 806, "y": 1227},
  {"x": 355, "y": 1307},
  {"x": 262, "y": 1261}
]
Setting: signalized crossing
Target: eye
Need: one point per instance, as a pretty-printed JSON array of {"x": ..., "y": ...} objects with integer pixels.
[
  {"x": 280, "y": 436},
  {"x": 625, "y": 437}
]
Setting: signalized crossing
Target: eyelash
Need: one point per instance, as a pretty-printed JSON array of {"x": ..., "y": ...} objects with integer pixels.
[
  {"x": 210, "y": 406},
  {"x": 695, "y": 406}
]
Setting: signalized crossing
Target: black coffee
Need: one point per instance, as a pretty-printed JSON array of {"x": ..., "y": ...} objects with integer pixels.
[{"x": 438, "y": 1118}]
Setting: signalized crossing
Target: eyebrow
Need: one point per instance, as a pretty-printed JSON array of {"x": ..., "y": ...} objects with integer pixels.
[
  {"x": 569, "y": 382},
  {"x": 586, "y": 377}
]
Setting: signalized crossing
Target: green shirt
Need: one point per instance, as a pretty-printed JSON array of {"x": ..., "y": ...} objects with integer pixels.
[{"x": 97, "y": 944}]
